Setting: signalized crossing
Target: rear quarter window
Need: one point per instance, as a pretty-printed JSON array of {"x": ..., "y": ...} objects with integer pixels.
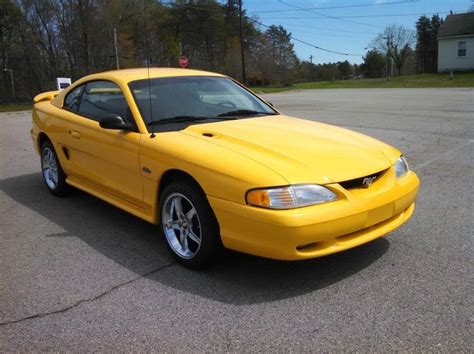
[{"x": 73, "y": 99}]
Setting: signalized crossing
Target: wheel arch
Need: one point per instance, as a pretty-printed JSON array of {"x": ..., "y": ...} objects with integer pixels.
[
  {"x": 176, "y": 175},
  {"x": 42, "y": 137},
  {"x": 180, "y": 175}
]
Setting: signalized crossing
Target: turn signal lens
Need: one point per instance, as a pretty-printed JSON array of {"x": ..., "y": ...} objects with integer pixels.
[{"x": 290, "y": 197}]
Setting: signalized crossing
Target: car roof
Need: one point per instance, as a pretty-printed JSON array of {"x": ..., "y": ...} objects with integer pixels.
[{"x": 127, "y": 75}]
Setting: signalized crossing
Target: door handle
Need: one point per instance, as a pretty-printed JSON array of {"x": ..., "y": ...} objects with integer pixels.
[{"x": 75, "y": 134}]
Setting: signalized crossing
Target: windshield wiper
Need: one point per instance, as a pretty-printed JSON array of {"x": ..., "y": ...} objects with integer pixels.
[
  {"x": 244, "y": 112},
  {"x": 183, "y": 119}
]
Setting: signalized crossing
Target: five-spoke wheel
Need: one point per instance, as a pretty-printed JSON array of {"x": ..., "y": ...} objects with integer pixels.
[
  {"x": 50, "y": 167},
  {"x": 181, "y": 224},
  {"x": 189, "y": 224},
  {"x": 53, "y": 174}
]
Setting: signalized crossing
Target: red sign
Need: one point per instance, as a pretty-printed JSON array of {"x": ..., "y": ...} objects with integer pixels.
[{"x": 183, "y": 61}]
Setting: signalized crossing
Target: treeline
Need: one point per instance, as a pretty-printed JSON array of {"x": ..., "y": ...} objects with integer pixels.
[
  {"x": 307, "y": 71},
  {"x": 411, "y": 52},
  {"x": 44, "y": 39}
]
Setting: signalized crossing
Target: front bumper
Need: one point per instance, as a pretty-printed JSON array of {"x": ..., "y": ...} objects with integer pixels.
[{"x": 357, "y": 217}]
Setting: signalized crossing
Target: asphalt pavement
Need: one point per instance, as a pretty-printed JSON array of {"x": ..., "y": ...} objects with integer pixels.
[{"x": 78, "y": 274}]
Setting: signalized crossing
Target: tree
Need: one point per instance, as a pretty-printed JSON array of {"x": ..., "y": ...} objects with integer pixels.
[
  {"x": 345, "y": 68},
  {"x": 436, "y": 23},
  {"x": 374, "y": 64},
  {"x": 356, "y": 69},
  {"x": 395, "y": 40},
  {"x": 279, "y": 57},
  {"x": 40, "y": 40},
  {"x": 9, "y": 18},
  {"x": 427, "y": 43},
  {"x": 423, "y": 44}
]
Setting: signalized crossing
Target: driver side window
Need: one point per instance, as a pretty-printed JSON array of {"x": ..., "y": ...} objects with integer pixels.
[{"x": 101, "y": 99}]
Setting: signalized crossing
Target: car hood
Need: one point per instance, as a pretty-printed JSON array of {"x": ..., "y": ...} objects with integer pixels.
[{"x": 301, "y": 151}]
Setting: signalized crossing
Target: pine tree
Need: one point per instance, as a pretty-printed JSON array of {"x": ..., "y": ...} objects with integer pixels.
[
  {"x": 427, "y": 43},
  {"x": 436, "y": 23}
]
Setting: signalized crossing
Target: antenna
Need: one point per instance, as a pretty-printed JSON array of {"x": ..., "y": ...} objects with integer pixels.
[{"x": 147, "y": 60}]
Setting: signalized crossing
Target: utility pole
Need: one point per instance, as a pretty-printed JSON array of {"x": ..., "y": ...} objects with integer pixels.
[
  {"x": 244, "y": 74},
  {"x": 11, "y": 81},
  {"x": 389, "y": 57},
  {"x": 391, "y": 66},
  {"x": 311, "y": 68},
  {"x": 116, "y": 50}
]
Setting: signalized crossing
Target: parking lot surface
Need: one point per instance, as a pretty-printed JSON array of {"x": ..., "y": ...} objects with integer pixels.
[{"x": 78, "y": 274}]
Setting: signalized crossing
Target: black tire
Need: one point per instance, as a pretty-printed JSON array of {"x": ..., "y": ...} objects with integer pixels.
[
  {"x": 210, "y": 246},
  {"x": 59, "y": 188}
]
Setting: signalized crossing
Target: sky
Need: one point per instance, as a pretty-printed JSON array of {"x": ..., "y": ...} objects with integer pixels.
[{"x": 335, "y": 28}]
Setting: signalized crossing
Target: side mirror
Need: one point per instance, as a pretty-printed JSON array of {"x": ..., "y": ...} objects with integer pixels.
[{"x": 114, "y": 121}]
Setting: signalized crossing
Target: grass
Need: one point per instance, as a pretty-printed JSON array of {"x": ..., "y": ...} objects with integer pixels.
[
  {"x": 408, "y": 81},
  {"x": 14, "y": 107}
]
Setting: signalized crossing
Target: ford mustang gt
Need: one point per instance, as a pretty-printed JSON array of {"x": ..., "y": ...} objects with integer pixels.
[{"x": 215, "y": 166}]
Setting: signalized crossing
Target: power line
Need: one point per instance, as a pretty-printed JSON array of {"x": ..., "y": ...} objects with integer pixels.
[
  {"x": 266, "y": 26},
  {"x": 327, "y": 29},
  {"x": 341, "y": 6},
  {"x": 360, "y": 16},
  {"x": 323, "y": 34},
  {"x": 328, "y": 16},
  {"x": 309, "y": 44}
]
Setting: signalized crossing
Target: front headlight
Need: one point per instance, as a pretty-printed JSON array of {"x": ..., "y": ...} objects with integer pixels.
[
  {"x": 401, "y": 166},
  {"x": 290, "y": 197}
]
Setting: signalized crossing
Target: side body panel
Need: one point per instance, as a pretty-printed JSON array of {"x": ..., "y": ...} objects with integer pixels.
[{"x": 100, "y": 159}]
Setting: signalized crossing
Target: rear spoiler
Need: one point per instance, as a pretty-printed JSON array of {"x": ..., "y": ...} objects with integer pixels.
[{"x": 45, "y": 96}]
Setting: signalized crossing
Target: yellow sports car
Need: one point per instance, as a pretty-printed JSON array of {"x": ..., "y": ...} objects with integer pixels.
[{"x": 216, "y": 166}]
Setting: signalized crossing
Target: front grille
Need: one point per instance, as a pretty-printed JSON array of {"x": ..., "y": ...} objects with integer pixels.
[{"x": 361, "y": 182}]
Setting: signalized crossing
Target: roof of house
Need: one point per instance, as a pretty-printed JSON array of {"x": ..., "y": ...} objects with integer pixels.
[{"x": 457, "y": 25}]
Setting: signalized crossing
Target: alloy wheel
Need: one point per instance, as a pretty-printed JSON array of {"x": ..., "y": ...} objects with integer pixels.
[
  {"x": 181, "y": 225},
  {"x": 50, "y": 168}
]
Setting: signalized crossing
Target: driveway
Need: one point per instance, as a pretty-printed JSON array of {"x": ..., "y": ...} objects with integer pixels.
[{"x": 78, "y": 274}]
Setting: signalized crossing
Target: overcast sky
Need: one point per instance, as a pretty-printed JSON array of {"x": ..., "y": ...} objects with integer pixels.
[{"x": 335, "y": 28}]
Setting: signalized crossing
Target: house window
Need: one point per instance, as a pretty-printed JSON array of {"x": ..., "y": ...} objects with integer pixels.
[{"x": 462, "y": 49}]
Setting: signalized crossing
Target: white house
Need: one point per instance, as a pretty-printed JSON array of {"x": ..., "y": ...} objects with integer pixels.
[{"x": 456, "y": 43}]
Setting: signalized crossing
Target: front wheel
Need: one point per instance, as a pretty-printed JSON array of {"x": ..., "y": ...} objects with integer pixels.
[
  {"x": 189, "y": 225},
  {"x": 53, "y": 174}
]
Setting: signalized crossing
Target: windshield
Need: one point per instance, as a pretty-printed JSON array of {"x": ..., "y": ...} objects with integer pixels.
[{"x": 177, "y": 101}]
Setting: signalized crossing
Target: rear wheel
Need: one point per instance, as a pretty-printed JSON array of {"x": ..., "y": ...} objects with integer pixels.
[
  {"x": 53, "y": 174},
  {"x": 189, "y": 225}
]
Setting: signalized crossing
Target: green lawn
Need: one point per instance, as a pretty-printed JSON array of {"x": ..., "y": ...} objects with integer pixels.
[
  {"x": 15, "y": 107},
  {"x": 413, "y": 81}
]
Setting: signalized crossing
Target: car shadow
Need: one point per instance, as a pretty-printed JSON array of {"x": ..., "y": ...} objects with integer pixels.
[{"x": 134, "y": 244}]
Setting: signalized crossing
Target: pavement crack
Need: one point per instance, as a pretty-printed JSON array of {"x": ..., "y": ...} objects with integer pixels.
[
  {"x": 443, "y": 155},
  {"x": 82, "y": 301}
]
